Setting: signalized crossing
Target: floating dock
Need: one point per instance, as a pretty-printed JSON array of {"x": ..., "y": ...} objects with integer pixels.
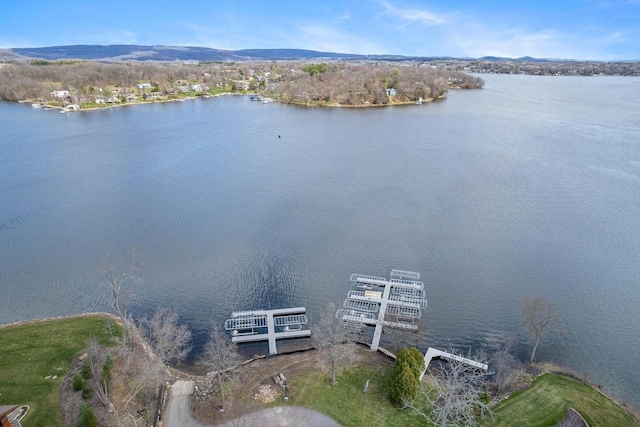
[{"x": 267, "y": 325}]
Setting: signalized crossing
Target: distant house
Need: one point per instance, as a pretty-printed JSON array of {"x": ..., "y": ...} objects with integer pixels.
[
  {"x": 391, "y": 92},
  {"x": 196, "y": 87},
  {"x": 60, "y": 93},
  {"x": 153, "y": 95},
  {"x": 144, "y": 86},
  {"x": 184, "y": 89},
  {"x": 242, "y": 84}
]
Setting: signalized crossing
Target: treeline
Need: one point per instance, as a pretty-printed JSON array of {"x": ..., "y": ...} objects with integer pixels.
[
  {"x": 358, "y": 84},
  {"x": 545, "y": 68},
  {"x": 290, "y": 81}
]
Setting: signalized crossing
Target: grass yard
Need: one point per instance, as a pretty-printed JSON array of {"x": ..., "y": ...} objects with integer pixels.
[
  {"x": 346, "y": 403},
  {"x": 31, "y": 352},
  {"x": 546, "y": 402}
]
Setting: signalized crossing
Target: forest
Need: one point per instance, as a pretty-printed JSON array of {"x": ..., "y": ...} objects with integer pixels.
[{"x": 91, "y": 84}]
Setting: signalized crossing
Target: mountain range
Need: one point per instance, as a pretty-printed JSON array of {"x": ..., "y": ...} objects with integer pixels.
[{"x": 192, "y": 53}]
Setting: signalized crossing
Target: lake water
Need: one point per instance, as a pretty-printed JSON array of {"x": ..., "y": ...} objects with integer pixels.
[{"x": 530, "y": 186}]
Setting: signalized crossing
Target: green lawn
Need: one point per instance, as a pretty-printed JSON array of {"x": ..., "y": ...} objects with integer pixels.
[
  {"x": 32, "y": 352},
  {"x": 546, "y": 402},
  {"x": 346, "y": 403}
]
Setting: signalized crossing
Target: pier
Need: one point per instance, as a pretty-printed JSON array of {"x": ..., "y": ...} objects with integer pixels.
[
  {"x": 375, "y": 298},
  {"x": 267, "y": 325},
  {"x": 434, "y": 353}
]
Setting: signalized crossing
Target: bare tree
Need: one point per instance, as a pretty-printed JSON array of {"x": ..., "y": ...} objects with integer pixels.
[
  {"x": 140, "y": 377},
  {"x": 100, "y": 383},
  {"x": 221, "y": 357},
  {"x": 455, "y": 395},
  {"x": 539, "y": 318},
  {"x": 120, "y": 275},
  {"x": 170, "y": 341},
  {"x": 332, "y": 336},
  {"x": 503, "y": 363}
]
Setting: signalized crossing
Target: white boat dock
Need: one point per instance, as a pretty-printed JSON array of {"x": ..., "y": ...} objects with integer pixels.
[
  {"x": 375, "y": 297},
  {"x": 249, "y": 326},
  {"x": 434, "y": 353}
]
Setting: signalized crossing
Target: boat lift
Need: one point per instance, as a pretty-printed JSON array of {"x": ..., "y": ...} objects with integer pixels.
[
  {"x": 374, "y": 298},
  {"x": 267, "y": 325}
]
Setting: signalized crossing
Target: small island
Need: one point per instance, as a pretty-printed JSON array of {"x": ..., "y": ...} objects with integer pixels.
[{"x": 71, "y": 85}]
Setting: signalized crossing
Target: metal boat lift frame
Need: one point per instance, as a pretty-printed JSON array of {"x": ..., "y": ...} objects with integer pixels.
[
  {"x": 249, "y": 326},
  {"x": 374, "y": 297}
]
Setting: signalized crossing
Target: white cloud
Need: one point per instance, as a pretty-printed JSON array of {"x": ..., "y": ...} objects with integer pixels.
[
  {"x": 104, "y": 37},
  {"x": 476, "y": 40},
  {"x": 410, "y": 16},
  {"x": 122, "y": 37},
  {"x": 9, "y": 43},
  {"x": 510, "y": 43},
  {"x": 329, "y": 39}
]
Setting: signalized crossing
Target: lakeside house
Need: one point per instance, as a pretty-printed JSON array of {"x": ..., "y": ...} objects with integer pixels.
[
  {"x": 60, "y": 93},
  {"x": 153, "y": 96},
  {"x": 144, "y": 86},
  {"x": 242, "y": 84}
]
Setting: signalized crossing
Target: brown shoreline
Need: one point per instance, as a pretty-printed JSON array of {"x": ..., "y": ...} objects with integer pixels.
[{"x": 299, "y": 104}]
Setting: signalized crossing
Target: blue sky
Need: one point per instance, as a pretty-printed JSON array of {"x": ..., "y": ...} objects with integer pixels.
[{"x": 577, "y": 29}]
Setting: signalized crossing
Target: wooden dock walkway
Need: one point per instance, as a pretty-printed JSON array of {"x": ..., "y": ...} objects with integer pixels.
[{"x": 285, "y": 318}]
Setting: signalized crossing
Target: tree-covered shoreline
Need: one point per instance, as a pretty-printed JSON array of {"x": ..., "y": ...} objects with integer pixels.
[{"x": 90, "y": 84}]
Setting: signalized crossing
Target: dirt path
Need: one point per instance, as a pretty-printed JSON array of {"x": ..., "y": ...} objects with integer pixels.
[
  {"x": 240, "y": 402},
  {"x": 178, "y": 413}
]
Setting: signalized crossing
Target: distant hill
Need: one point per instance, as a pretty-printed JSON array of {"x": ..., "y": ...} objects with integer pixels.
[
  {"x": 189, "y": 53},
  {"x": 174, "y": 53},
  {"x": 127, "y": 52}
]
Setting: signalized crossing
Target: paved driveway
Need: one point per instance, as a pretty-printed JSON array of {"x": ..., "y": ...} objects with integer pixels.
[
  {"x": 282, "y": 416},
  {"x": 178, "y": 413}
]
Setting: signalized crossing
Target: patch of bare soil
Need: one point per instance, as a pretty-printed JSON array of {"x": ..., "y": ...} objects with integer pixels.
[{"x": 255, "y": 376}]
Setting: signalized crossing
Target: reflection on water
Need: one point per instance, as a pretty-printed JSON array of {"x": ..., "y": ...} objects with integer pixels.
[{"x": 528, "y": 187}]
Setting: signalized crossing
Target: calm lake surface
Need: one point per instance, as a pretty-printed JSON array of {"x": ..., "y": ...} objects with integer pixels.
[{"x": 530, "y": 186}]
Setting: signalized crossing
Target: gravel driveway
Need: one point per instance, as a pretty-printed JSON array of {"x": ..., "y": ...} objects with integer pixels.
[{"x": 178, "y": 414}]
